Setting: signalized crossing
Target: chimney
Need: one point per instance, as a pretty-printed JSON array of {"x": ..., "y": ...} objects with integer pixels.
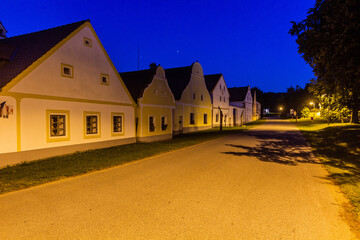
[{"x": 2, "y": 31}]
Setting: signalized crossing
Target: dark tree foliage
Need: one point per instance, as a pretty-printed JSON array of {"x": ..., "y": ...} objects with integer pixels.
[
  {"x": 329, "y": 41},
  {"x": 296, "y": 98}
]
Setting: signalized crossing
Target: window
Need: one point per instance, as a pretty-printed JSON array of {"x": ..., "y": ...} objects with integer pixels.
[
  {"x": 87, "y": 42},
  {"x": 192, "y": 118},
  {"x": 217, "y": 117},
  {"x": 164, "y": 123},
  {"x": 205, "y": 118},
  {"x": 194, "y": 96},
  {"x": 92, "y": 124},
  {"x": 220, "y": 98},
  {"x": 57, "y": 125},
  {"x": 155, "y": 91},
  {"x": 67, "y": 70},
  {"x": 117, "y": 123},
  {"x": 151, "y": 124},
  {"x": 104, "y": 79},
  {"x": 202, "y": 97}
]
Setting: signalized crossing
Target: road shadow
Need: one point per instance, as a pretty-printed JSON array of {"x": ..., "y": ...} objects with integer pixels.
[{"x": 283, "y": 147}]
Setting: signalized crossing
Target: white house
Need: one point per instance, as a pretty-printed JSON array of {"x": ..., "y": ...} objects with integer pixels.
[
  {"x": 240, "y": 97},
  {"x": 219, "y": 93},
  {"x": 60, "y": 93}
]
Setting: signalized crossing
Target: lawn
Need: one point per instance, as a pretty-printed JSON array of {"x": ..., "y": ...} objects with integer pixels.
[
  {"x": 338, "y": 147},
  {"x": 34, "y": 173}
]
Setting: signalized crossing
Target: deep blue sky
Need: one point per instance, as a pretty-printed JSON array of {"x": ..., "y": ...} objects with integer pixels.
[{"x": 246, "y": 40}]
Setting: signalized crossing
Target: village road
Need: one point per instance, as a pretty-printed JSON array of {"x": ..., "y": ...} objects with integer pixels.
[{"x": 264, "y": 184}]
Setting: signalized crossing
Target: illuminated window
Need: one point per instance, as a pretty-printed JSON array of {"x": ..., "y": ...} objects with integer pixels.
[
  {"x": 87, "y": 42},
  {"x": 67, "y": 71},
  {"x": 104, "y": 79}
]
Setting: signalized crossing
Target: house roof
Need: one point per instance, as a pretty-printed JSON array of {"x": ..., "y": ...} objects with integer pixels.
[
  {"x": 212, "y": 80},
  {"x": 238, "y": 93},
  {"x": 137, "y": 81},
  {"x": 28, "y": 48},
  {"x": 178, "y": 79}
]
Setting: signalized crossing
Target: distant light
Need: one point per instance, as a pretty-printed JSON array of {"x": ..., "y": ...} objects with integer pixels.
[{"x": 311, "y": 103}]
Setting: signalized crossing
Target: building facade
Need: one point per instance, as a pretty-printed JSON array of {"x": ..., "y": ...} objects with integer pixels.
[
  {"x": 193, "y": 102},
  {"x": 155, "y": 103},
  {"x": 60, "y": 93}
]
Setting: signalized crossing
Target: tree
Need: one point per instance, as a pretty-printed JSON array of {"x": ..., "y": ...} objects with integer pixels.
[{"x": 329, "y": 41}]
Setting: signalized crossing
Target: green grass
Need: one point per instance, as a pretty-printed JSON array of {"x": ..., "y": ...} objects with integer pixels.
[
  {"x": 338, "y": 147},
  {"x": 34, "y": 173}
]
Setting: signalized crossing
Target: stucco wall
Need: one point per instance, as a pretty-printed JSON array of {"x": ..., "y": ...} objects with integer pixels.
[
  {"x": 8, "y": 130},
  {"x": 34, "y": 122}
]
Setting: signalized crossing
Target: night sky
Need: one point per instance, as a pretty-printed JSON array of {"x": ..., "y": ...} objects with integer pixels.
[{"x": 246, "y": 40}]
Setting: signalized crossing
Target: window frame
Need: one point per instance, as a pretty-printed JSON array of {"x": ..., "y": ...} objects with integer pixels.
[
  {"x": 117, "y": 114},
  {"x": 66, "y": 137},
  {"x": 89, "y": 40},
  {"x": 92, "y": 135},
  {"x": 63, "y": 65},
  {"x": 205, "y": 118},
  {"x": 102, "y": 75}
]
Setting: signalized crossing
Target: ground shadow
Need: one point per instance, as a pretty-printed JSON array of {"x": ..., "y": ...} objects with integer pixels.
[{"x": 283, "y": 147}]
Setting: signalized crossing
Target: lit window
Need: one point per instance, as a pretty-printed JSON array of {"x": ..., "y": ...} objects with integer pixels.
[
  {"x": 104, "y": 79},
  {"x": 192, "y": 118},
  {"x": 87, "y": 42},
  {"x": 67, "y": 71},
  {"x": 151, "y": 124}
]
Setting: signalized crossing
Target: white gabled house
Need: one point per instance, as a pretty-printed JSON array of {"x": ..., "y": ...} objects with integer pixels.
[
  {"x": 240, "y": 98},
  {"x": 219, "y": 93},
  {"x": 60, "y": 93}
]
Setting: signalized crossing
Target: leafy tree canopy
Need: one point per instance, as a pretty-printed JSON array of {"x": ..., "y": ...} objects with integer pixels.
[{"x": 329, "y": 41}]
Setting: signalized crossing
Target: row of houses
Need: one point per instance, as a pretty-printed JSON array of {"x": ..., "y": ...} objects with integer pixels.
[{"x": 60, "y": 93}]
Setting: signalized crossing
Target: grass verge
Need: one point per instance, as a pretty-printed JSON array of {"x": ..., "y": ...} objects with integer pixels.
[
  {"x": 338, "y": 147},
  {"x": 34, "y": 173}
]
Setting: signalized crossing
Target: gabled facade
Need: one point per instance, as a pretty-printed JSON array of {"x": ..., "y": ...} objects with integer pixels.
[
  {"x": 193, "y": 102},
  {"x": 240, "y": 97},
  {"x": 219, "y": 93},
  {"x": 61, "y": 93},
  {"x": 155, "y": 103}
]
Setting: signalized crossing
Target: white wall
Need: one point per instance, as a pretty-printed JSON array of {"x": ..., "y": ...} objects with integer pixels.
[
  {"x": 8, "y": 130},
  {"x": 33, "y": 122}
]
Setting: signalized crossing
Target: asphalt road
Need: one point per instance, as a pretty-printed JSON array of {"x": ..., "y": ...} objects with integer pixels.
[{"x": 262, "y": 185}]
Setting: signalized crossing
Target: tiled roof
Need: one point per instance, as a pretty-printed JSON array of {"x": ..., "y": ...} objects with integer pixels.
[
  {"x": 238, "y": 93},
  {"x": 137, "y": 81},
  {"x": 212, "y": 80},
  {"x": 178, "y": 79},
  {"x": 30, "y": 47}
]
